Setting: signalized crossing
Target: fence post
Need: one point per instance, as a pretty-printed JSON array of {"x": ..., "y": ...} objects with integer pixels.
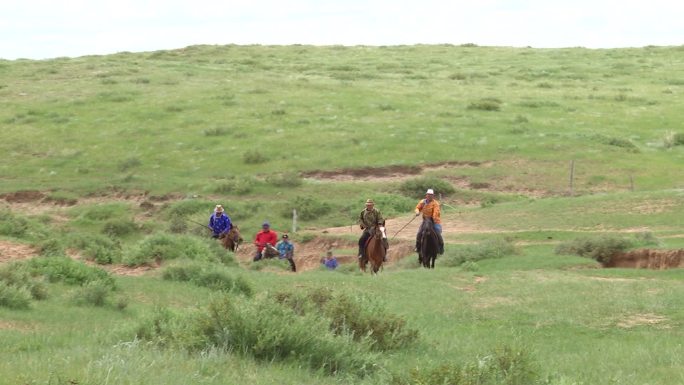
[
  {"x": 294, "y": 220},
  {"x": 572, "y": 177}
]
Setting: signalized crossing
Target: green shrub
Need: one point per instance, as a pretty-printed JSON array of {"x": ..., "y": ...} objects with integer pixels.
[
  {"x": 52, "y": 247},
  {"x": 235, "y": 185},
  {"x": 129, "y": 163},
  {"x": 416, "y": 188},
  {"x": 159, "y": 247},
  {"x": 216, "y": 131},
  {"x": 98, "y": 248},
  {"x": 263, "y": 329},
  {"x": 287, "y": 179},
  {"x": 617, "y": 142},
  {"x": 270, "y": 264},
  {"x": 67, "y": 270},
  {"x": 505, "y": 366},
  {"x": 487, "y": 249},
  {"x": 14, "y": 297},
  {"x": 646, "y": 238},
  {"x": 486, "y": 104},
  {"x": 254, "y": 157},
  {"x": 93, "y": 293},
  {"x": 308, "y": 208},
  {"x": 11, "y": 225},
  {"x": 103, "y": 212},
  {"x": 119, "y": 227},
  {"x": 17, "y": 275},
  {"x": 359, "y": 316},
  {"x": 679, "y": 139},
  {"x": 601, "y": 249},
  {"x": 208, "y": 276}
]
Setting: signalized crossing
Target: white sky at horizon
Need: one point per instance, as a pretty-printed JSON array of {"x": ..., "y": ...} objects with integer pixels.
[{"x": 40, "y": 29}]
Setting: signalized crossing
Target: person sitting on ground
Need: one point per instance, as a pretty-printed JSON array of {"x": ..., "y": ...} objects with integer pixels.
[
  {"x": 285, "y": 248},
  {"x": 330, "y": 261},
  {"x": 429, "y": 207},
  {"x": 368, "y": 219},
  {"x": 219, "y": 222},
  {"x": 263, "y": 238}
]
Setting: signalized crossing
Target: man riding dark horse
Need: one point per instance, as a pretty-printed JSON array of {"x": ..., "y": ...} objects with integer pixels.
[
  {"x": 369, "y": 218},
  {"x": 429, "y": 207}
]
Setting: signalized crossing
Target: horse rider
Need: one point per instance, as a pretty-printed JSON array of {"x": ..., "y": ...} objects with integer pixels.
[
  {"x": 219, "y": 222},
  {"x": 368, "y": 219},
  {"x": 264, "y": 237},
  {"x": 429, "y": 207},
  {"x": 285, "y": 247}
]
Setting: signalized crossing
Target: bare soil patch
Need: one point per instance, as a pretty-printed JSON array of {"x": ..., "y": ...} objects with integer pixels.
[
  {"x": 647, "y": 319},
  {"x": 396, "y": 172},
  {"x": 21, "y": 327},
  {"x": 10, "y": 251},
  {"x": 648, "y": 259}
]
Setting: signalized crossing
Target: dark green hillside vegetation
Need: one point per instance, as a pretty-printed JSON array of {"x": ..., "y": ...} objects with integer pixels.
[{"x": 548, "y": 164}]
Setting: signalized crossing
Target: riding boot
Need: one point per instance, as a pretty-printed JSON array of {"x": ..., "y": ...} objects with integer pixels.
[{"x": 441, "y": 245}]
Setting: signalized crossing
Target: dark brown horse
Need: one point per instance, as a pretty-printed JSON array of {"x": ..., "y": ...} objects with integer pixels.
[
  {"x": 271, "y": 252},
  {"x": 232, "y": 239},
  {"x": 375, "y": 250},
  {"x": 428, "y": 244}
]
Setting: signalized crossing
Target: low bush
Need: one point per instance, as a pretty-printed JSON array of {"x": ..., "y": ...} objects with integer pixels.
[
  {"x": 67, "y": 270},
  {"x": 617, "y": 142},
  {"x": 287, "y": 179},
  {"x": 504, "y": 366},
  {"x": 601, "y": 249},
  {"x": 416, "y": 188},
  {"x": 488, "y": 249},
  {"x": 16, "y": 275},
  {"x": 93, "y": 293},
  {"x": 358, "y": 316},
  {"x": 308, "y": 208},
  {"x": 12, "y": 225},
  {"x": 254, "y": 157},
  {"x": 52, "y": 247},
  {"x": 159, "y": 247},
  {"x": 486, "y": 104},
  {"x": 14, "y": 297},
  {"x": 119, "y": 227},
  {"x": 103, "y": 212},
  {"x": 208, "y": 276},
  {"x": 129, "y": 163},
  {"x": 98, "y": 248},
  {"x": 264, "y": 330},
  {"x": 270, "y": 264},
  {"x": 234, "y": 185}
]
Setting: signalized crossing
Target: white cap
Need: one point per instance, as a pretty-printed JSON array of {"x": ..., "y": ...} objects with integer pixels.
[{"x": 429, "y": 191}]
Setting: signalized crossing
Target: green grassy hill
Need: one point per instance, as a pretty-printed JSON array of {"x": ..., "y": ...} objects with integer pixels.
[{"x": 108, "y": 161}]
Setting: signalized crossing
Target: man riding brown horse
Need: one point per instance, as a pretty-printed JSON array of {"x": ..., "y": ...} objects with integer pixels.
[{"x": 369, "y": 218}]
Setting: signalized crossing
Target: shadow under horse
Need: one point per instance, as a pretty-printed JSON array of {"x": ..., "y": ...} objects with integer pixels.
[
  {"x": 232, "y": 239},
  {"x": 428, "y": 243},
  {"x": 375, "y": 250}
]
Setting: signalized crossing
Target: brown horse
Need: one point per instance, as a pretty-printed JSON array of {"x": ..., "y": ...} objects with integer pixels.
[
  {"x": 232, "y": 239},
  {"x": 375, "y": 250},
  {"x": 271, "y": 252}
]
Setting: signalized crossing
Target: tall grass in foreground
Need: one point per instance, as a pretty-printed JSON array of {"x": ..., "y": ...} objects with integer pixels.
[{"x": 327, "y": 332}]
